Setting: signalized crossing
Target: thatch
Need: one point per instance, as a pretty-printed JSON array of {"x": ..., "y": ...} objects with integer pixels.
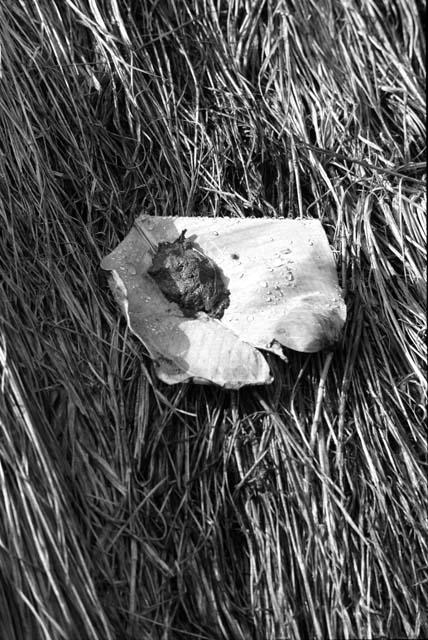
[{"x": 130, "y": 509}]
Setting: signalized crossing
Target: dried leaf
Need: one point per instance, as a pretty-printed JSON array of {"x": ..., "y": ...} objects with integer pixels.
[{"x": 283, "y": 291}]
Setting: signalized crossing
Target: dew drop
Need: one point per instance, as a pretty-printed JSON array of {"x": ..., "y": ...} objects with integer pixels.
[{"x": 278, "y": 262}]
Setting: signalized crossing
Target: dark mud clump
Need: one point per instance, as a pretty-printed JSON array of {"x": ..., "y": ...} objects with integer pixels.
[{"x": 189, "y": 278}]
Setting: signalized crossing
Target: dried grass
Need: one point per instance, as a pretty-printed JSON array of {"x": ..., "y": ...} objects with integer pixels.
[{"x": 134, "y": 510}]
